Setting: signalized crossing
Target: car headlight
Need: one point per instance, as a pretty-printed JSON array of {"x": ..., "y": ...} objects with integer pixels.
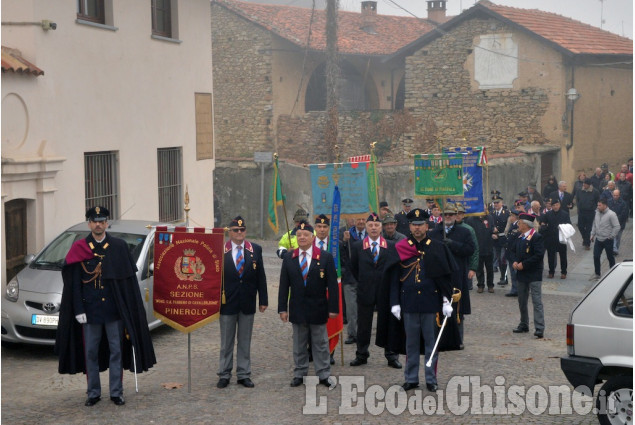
[{"x": 13, "y": 289}]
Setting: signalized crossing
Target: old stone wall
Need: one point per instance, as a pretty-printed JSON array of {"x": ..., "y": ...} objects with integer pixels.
[
  {"x": 439, "y": 89},
  {"x": 243, "y": 101}
]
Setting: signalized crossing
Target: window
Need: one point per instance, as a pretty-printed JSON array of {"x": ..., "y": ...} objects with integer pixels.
[
  {"x": 162, "y": 18},
  {"x": 101, "y": 181},
  {"x": 91, "y": 10},
  {"x": 170, "y": 184},
  {"x": 623, "y": 306}
]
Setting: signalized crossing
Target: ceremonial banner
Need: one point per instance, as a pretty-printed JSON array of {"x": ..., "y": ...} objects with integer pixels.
[
  {"x": 373, "y": 201},
  {"x": 473, "y": 158},
  {"x": 351, "y": 178},
  {"x": 187, "y": 276},
  {"x": 334, "y": 326},
  {"x": 438, "y": 175},
  {"x": 276, "y": 198}
]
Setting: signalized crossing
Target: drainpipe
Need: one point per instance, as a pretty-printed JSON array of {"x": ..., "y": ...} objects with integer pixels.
[{"x": 570, "y": 145}]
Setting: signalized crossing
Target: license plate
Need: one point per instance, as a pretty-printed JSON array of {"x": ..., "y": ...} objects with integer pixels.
[{"x": 44, "y": 320}]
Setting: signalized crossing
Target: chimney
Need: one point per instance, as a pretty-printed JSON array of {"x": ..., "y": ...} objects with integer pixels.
[
  {"x": 369, "y": 16},
  {"x": 436, "y": 11}
]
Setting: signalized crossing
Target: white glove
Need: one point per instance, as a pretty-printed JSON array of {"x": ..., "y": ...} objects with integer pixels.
[
  {"x": 447, "y": 307},
  {"x": 81, "y": 318},
  {"x": 280, "y": 252},
  {"x": 396, "y": 311}
]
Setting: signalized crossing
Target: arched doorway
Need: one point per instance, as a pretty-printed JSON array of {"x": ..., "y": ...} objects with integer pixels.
[{"x": 356, "y": 93}]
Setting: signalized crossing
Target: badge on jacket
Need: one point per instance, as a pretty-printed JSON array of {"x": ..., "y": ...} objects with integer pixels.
[{"x": 321, "y": 273}]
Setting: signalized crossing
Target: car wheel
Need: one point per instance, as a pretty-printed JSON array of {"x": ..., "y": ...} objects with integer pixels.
[{"x": 615, "y": 401}]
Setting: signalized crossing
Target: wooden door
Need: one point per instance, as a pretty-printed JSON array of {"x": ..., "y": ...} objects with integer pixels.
[{"x": 15, "y": 234}]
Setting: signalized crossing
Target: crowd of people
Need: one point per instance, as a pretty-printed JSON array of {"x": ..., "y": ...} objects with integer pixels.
[{"x": 415, "y": 269}]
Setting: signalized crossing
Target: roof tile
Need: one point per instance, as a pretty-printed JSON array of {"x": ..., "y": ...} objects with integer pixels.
[{"x": 12, "y": 61}]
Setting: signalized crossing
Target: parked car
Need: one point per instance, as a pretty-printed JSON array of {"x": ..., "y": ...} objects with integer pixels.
[
  {"x": 31, "y": 303},
  {"x": 600, "y": 345}
]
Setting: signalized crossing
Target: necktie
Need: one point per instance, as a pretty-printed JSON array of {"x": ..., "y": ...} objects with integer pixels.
[
  {"x": 561, "y": 195},
  {"x": 321, "y": 244},
  {"x": 304, "y": 267},
  {"x": 375, "y": 252},
  {"x": 240, "y": 261}
]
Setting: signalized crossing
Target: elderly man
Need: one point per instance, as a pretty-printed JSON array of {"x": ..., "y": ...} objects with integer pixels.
[
  {"x": 288, "y": 240},
  {"x": 607, "y": 193},
  {"x": 244, "y": 278},
  {"x": 620, "y": 208},
  {"x": 549, "y": 228},
  {"x": 606, "y": 226},
  {"x": 587, "y": 199},
  {"x": 389, "y": 226},
  {"x": 566, "y": 199},
  {"x": 528, "y": 263},
  {"x": 370, "y": 259},
  {"x": 597, "y": 179},
  {"x": 307, "y": 275}
]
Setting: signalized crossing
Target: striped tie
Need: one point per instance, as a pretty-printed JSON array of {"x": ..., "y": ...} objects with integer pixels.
[
  {"x": 375, "y": 252},
  {"x": 322, "y": 245},
  {"x": 304, "y": 267},
  {"x": 240, "y": 261}
]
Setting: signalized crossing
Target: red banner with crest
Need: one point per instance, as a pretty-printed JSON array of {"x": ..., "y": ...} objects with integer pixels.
[{"x": 188, "y": 269}]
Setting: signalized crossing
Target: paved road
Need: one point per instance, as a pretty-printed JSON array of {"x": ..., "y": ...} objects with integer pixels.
[{"x": 34, "y": 393}]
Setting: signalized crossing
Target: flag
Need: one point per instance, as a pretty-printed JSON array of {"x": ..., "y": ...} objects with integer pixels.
[
  {"x": 275, "y": 198},
  {"x": 335, "y": 326},
  {"x": 373, "y": 202},
  {"x": 482, "y": 159}
]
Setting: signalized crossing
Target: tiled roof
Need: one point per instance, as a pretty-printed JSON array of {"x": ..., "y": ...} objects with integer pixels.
[
  {"x": 292, "y": 23},
  {"x": 572, "y": 35},
  {"x": 12, "y": 61}
]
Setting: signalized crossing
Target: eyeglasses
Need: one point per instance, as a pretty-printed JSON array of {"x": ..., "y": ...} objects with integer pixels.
[{"x": 237, "y": 230}]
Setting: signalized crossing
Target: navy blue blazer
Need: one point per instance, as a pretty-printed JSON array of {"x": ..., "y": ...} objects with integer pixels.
[
  {"x": 310, "y": 304},
  {"x": 530, "y": 252},
  {"x": 240, "y": 293},
  {"x": 371, "y": 277}
]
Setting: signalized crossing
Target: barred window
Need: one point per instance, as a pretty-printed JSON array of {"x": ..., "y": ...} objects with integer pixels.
[
  {"x": 101, "y": 176},
  {"x": 170, "y": 184}
]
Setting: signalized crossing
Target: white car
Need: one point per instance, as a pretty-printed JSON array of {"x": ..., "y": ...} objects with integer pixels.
[
  {"x": 600, "y": 345},
  {"x": 31, "y": 303}
]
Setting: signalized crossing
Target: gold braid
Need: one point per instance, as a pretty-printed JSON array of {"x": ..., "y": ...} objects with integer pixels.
[{"x": 95, "y": 273}]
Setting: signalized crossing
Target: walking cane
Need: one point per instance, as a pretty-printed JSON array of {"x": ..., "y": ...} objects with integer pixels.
[{"x": 429, "y": 362}]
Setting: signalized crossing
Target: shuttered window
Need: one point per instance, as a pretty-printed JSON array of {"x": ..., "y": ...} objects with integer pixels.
[
  {"x": 101, "y": 177},
  {"x": 170, "y": 184}
]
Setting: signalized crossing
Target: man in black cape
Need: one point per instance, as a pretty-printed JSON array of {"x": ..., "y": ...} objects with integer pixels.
[
  {"x": 421, "y": 288},
  {"x": 101, "y": 295}
]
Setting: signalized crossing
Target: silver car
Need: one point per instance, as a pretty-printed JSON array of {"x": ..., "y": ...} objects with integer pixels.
[{"x": 31, "y": 303}]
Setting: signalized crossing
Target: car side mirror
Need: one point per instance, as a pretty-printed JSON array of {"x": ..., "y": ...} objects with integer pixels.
[
  {"x": 28, "y": 258},
  {"x": 151, "y": 269}
]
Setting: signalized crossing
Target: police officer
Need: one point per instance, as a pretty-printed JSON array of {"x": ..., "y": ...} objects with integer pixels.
[
  {"x": 403, "y": 226},
  {"x": 500, "y": 215}
]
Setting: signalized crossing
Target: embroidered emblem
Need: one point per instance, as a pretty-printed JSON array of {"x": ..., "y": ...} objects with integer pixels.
[
  {"x": 97, "y": 210},
  {"x": 189, "y": 267}
]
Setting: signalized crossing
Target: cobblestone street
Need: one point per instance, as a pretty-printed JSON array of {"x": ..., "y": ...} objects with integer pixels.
[{"x": 34, "y": 393}]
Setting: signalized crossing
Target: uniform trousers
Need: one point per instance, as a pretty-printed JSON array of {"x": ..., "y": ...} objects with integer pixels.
[
  {"x": 487, "y": 262},
  {"x": 319, "y": 347},
  {"x": 499, "y": 259},
  {"x": 92, "y": 338},
  {"x": 524, "y": 288},
  {"x": 416, "y": 325},
  {"x": 364, "y": 331},
  {"x": 228, "y": 324},
  {"x": 350, "y": 298}
]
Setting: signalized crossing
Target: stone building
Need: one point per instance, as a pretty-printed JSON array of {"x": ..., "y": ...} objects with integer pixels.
[{"x": 492, "y": 76}]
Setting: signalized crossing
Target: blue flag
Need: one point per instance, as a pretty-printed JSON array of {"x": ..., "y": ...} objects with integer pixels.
[{"x": 335, "y": 229}]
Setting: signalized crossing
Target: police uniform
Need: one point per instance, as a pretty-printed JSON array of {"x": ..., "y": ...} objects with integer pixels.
[
  {"x": 499, "y": 218},
  {"x": 403, "y": 226},
  {"x": 101, "y": 295},
  {"x": 418, "y": 284}
]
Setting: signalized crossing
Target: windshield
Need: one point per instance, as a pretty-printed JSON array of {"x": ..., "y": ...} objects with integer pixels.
[{"x": 53, "y": 255}]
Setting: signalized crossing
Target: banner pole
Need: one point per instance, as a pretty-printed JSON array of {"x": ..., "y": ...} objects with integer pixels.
[{"x": 189, "y": 340}]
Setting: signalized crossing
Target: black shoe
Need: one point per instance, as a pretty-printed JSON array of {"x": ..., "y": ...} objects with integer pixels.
[
  {"x": 511, "y": 294},
  {"x": 358, "y": 361},
  {"x": 539, "y": 334},
  {"x": 394, "y": 363},
  {"x": 332, "y": 360},
  {"x": 350, "y": 340},
  {"x": 296, "y": 382},
  {"x": 91, "y": 401},
  {"x": 119, "y": 401},
  {"x": 345, "y": 321},
  {"x": 495, "y": 269},
  {"x": 502, "y": 283},
  {"x": 409, "y": 386},
  {"x": 326, "y": 383},
  {"x": 247, "y": 383},
  {"x": 519, "y": 330},
  {"x": 461, "y": 347},
  {"x": 432, "y": 387},
  {"x": 222, "y": 383}
]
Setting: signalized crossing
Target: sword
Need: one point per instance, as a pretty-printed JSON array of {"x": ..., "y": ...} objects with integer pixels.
[
  {"x": 134, "y": 360},
  {"x": 429, "y": 362}
]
